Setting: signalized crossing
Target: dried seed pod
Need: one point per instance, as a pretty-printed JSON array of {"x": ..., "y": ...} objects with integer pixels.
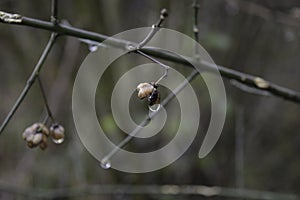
[
  {"x": 57, "y": 133},
  {"x": 41, "y": 128},
  {"x": 35, "y": 126},
  {"x": 35, "y": 134},
  {"x": 28, "y": 131},
  {"x": 145, "y": 89},
  {"x": 30, "y": 138},
  {"x": 37, "y": 138}
]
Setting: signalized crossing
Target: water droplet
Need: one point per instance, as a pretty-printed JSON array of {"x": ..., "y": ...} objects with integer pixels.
[
  {"x": 105, "y": 164},
  {"x": 93, "y": 47},
  {"x": 58, "y": 141},
  {"x": 130, "y": 47},
  {"x": 154, "y": 108}
]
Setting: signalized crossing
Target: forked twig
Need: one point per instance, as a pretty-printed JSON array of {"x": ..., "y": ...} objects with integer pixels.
[
  {"x": 149, "y": 117},
  {"x": 166, "y": 67},
  {"x": 155, "y": 28},
  {"x": 9, "y": 18}
]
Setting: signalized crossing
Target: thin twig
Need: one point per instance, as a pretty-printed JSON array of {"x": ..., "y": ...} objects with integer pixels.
[
  {"x": 166, "y": 67},
  {"x": 149, "y": 117},
  {"x": 155, "y": 28},
  {"x": 49, "y": 113},
  {"x": 195, "y": 27},
  {"x": 30, "y": 81},
  {"x": 46, "y": 118},
  {"x": 244, "y": 78},
  {"x": 54, "y": 11}
]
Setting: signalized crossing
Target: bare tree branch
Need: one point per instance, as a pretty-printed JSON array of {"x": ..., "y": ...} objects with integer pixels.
[{"x": 249, "y": 80}]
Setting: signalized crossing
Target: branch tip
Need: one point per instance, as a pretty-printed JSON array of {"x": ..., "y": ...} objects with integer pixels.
[
  {"x": 163, "y": 13},
  {"x": 10, "y": 18}
]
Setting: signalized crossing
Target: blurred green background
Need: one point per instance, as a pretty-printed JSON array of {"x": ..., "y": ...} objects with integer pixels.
[{"x": 259, "y": 146}]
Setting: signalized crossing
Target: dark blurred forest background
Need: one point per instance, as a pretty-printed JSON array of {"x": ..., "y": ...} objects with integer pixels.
[{"x": 259, "y": 146}]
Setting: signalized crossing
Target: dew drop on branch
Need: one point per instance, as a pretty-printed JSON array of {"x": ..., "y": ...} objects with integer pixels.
[
  {"x": 105, "y": 164},
  {"x": 58, "y": 141}
]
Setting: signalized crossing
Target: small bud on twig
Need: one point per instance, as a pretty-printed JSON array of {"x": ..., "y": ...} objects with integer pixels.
[{"x": 144, "y": 90}]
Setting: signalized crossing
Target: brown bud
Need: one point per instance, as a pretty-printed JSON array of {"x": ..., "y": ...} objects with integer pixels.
[
  {"x": 144, "y": 90},
  {"x": 163, "y": 13}
]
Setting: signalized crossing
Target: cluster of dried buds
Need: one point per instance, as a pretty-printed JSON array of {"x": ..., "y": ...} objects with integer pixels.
[
  {"x": 37, "y": 135},
  {"x": 149, "y": 90}
]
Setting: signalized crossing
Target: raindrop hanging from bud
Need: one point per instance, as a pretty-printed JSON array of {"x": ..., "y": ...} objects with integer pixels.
[
  {"x": 154, "y": 101},
  {"x": 93, "y": 47},
  {"x": 58, "y": 141},
  {"x": 154, "y": 108},
  {"x": 105, "y": 164}
]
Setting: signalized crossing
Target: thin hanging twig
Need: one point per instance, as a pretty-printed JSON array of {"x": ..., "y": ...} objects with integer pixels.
[
  {"x": 49, "y": 113},
  {"x": 166, "y": 67}
]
